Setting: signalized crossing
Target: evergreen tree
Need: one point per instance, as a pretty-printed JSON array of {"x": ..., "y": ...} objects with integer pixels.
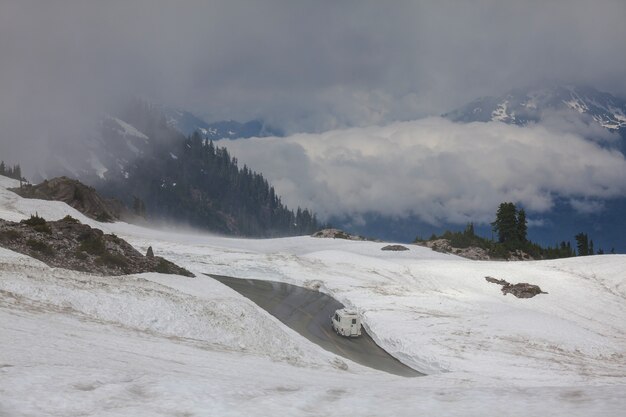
[
  {"x": 522, "y": 227},
  {"x": 582, "y": 244},
  {"x": 506, "y": 223}
]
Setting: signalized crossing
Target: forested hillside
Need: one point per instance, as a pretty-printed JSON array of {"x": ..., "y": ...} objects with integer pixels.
[{"x": 190, "y": 180}]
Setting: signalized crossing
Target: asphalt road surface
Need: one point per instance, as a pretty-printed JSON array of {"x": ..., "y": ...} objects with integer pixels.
[{"x": 308, "y": 312}]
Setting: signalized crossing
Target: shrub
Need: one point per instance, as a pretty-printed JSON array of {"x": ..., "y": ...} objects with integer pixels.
[
  {"x": 93, "y": 245},
  {"x": 41, "y": 247},
  {"x": 70, "y": 219},
  {"x": 498, "y": 251},
  {"x": 10, "y": 235},
  {"x": 38, "y": 224},
  {"x": 112, "y": 259},
  {"x": 80, "y": 255}
]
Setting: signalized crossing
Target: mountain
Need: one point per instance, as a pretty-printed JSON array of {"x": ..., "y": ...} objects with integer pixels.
[
  {"x": 137, "y": 157},
  {"x": 523, "y": 106},
  {"x": 538, "y": 104},
  {"x": 190, "y": 180},
  {"x": 187, "y": 123}
]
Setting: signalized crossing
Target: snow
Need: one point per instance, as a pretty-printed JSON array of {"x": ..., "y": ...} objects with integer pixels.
[
  {"x": 152, "y": 344},
  {"x": 129, "y": 130},
  {"x": 500, "y": 113},
  {"x": 97, "y": 166},
  {"x": 173, "y": 156}
]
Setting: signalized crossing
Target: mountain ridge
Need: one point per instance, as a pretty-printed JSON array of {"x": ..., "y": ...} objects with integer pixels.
[{"x": 522, "y": 106}]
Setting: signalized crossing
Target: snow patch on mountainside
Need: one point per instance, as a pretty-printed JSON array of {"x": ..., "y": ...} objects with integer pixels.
[{"x": 128, "y": 130}]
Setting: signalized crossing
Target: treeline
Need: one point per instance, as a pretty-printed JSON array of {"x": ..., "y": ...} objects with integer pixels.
[
  {"x": 14, "y": 171},
  {"x": 511, "y": 227},
  {"x": 193, "y": 181}
]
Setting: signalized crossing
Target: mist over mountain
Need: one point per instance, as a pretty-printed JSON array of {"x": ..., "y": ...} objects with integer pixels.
[
  {"x": 557, "y": 152},
  {"x": 188, "y": 124},
  {"x": 523, "y": 106},
  {"x": 583, "y": 110}
]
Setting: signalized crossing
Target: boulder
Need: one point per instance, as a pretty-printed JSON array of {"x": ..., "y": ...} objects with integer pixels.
[{"x": 395, "y": 248}]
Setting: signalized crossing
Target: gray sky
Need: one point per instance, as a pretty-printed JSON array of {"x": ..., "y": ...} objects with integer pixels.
[
  {"x": 309, "y": 65},
  {"x": 302, "y": 65}
]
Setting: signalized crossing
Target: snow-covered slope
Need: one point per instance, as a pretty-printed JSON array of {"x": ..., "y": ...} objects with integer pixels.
[{"x": 75, "y": 344}]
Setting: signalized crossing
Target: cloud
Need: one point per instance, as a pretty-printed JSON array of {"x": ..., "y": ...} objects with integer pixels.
[
  {"x": 435, "y": 169},
  {"x": 584, "y": 206}
]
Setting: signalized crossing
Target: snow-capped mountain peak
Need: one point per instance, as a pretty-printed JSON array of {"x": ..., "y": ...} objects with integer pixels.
[{"x": 522, "y": 106}]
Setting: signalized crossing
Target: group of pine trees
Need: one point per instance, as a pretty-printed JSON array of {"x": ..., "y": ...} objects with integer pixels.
[
  {"x": 511, "y": 227},
  {"x": 14, "y": 172},
  {"x": 585, "y": 246}
]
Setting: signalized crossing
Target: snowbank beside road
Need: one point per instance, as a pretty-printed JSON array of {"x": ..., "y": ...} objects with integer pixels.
[{"x": 436, "y": 312}]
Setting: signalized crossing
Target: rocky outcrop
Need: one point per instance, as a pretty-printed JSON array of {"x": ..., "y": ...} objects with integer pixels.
[
  {"x": 76, "y": 194},
  {"x": 521, "y": 290},
  {"x": 339, "y": 234},
  {"x": 69, "y": 244},
  {"x": 395, "y": 248},
  {"x": 444, "y": 246},
  {"x": 472, "y": 252}
]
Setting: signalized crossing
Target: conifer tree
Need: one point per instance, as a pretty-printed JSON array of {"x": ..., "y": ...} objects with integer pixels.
[
  {"x": 582, "y": 244},
  {"x": 506, "y": 223},
  {"x": 522, "y": 228}
]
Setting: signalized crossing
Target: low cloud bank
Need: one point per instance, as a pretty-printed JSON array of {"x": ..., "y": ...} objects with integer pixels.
[{"x": 435, "y": 169}]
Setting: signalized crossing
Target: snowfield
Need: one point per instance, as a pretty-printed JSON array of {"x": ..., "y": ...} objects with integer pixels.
[{"x": 161, "y": 345}]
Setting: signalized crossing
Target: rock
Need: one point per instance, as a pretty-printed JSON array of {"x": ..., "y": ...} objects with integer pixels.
[
  {"x": 69, "y": 244},
  {"x": 496, "y": 281},
  {"x": 444, "y": 246},
  {"x": 395, "y": 248},
  {"x": 337, "y": 234},
  {"x": 472, "y": 252},
  {"x": 150, "y": 253},
  {"x": 521, "y": 290},
  {"x": 76, "y": 194}
]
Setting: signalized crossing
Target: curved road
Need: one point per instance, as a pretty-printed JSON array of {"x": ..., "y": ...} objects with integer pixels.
[{"x": 308, "y": 312}]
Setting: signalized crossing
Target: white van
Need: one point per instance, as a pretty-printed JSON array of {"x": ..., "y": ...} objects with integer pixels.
[{"x": 346, "y": 323}]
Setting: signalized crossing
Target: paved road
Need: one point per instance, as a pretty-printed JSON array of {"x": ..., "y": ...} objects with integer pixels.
[{"x": 308, "y": 312}]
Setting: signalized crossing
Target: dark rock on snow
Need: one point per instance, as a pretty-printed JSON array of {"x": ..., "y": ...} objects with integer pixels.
[
  {"x": 521, "y": 290},
  {"x": 395, "y": 248},
  {"x": 69, "y": 244},
  {"x": 340, "y": 234},
  {"x": 75, "y": 194}
]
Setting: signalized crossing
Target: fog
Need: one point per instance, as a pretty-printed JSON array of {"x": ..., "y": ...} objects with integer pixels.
[
  {"x": 304, "y": 66},
  {"x": 437, "y": 170}
]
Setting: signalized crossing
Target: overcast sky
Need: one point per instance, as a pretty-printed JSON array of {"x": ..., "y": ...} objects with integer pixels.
[
  {"x": 303, "y": 65},
  {"x": 318, "y": 65}
]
